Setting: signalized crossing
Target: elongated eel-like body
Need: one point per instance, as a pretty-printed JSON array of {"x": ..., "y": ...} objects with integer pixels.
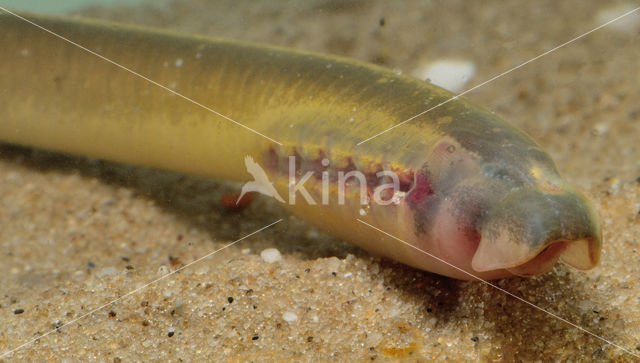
[{"x": 473, "y": 190}]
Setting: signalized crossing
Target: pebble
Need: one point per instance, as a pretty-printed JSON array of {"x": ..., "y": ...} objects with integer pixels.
[
  {"x": 271, "y": 255},
  {"x": 627, "y": 24},
  {"x": 289, "y": 316},
  {"x": 450, "y": 74}
]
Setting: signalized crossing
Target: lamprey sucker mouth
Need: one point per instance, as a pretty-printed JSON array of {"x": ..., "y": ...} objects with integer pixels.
[{"x": 528, "y": 232}]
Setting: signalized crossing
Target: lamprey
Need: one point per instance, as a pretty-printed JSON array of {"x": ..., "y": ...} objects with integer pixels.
[{"x": 470, "y": 188}]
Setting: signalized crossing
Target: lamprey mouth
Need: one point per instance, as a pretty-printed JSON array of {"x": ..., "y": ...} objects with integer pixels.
[
  {"x": 581, "y": 254},
  {"x": 542, "y": 263},
  {"x": 528, "y": 232}
]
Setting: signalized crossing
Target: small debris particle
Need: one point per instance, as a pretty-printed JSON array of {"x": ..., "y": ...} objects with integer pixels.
[
  {"x": 255, "y": 337},
  {"x": 170, "y": 334},
  {"x": 289, "y": 316},
  {"x": 125, "y": 258},
  {"x": 18, "y": 311},
  {"x": 309, "y": 339},
  {"x": 394, "y": 352},
  {"x": 475, "y": 339},
  {"x": 91, "y": 264},
  {"x": 429, "y": 310},
  {"x": 112, "y": 314},
  {"x": 179, "y": 62},
  {"x": 230, "y": 299},
  {"x": 270, "y": 255},
  {"x": 334, "y": 273},
  {"x": 231, "y": 203},
  {"x": 307, "y": 270},
  {"x": 129, "y": 267},
  {"x": 174, "y": 260},
  {"x": 381, "y": 22},
  {"x": 145, "y": 323}
]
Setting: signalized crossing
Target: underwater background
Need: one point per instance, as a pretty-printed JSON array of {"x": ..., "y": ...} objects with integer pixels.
[{"x": 77, "y": 233}]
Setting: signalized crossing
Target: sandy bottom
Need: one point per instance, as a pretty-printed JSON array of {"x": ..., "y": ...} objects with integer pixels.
[{"x": 76, "y": 234}]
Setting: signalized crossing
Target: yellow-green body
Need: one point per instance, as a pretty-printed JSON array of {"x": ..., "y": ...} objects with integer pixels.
[{"x": 57, "y": 96}]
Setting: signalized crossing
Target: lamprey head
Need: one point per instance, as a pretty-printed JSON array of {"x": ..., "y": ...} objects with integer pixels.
[
  {"x": 529, "y": 230},
  {"x": 498, "y": 211}
]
